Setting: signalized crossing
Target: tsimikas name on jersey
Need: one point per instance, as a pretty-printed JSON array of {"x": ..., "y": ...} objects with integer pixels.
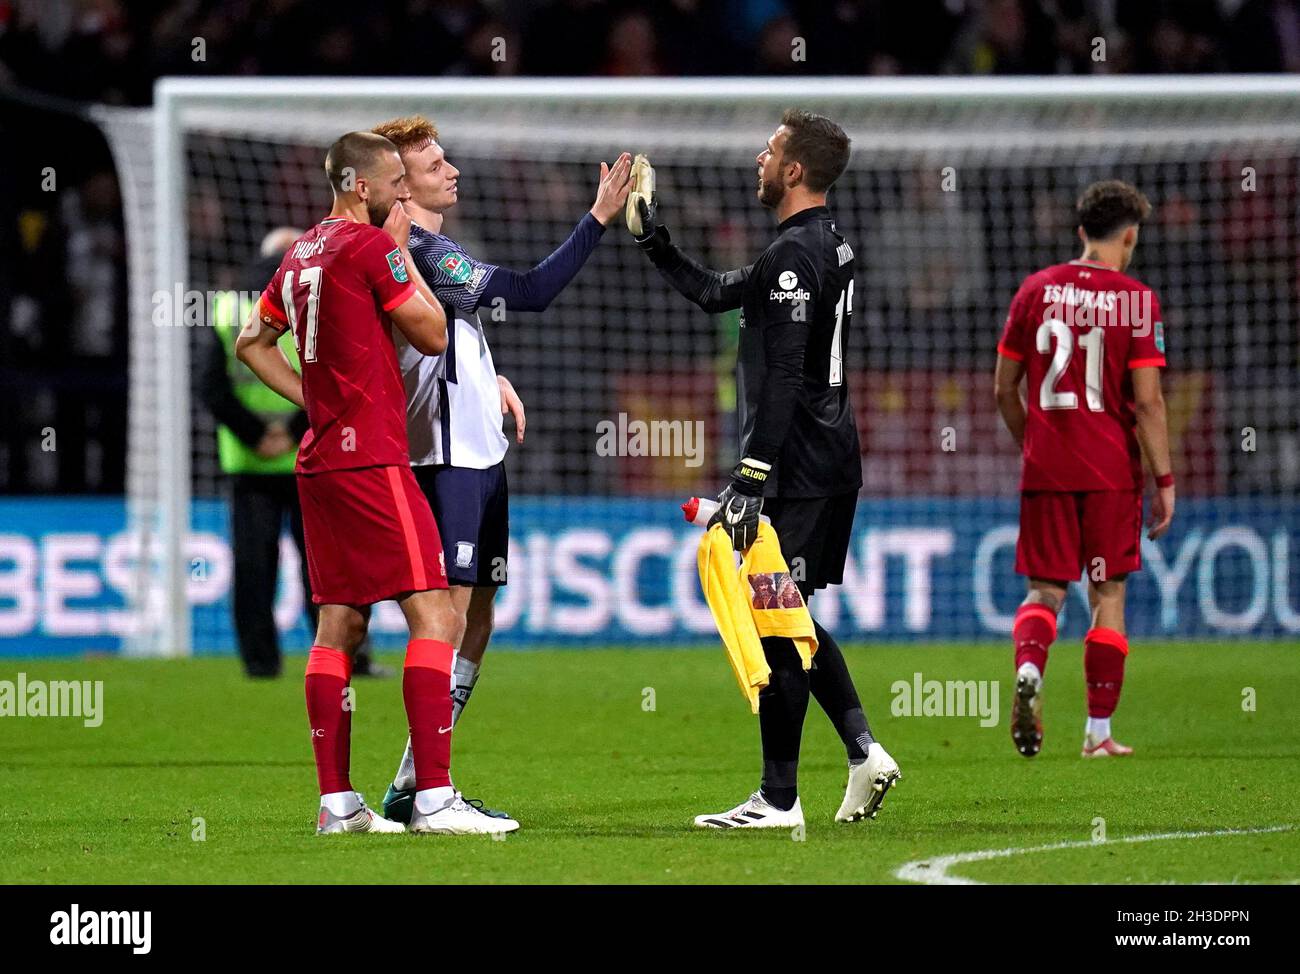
[{"x": 1085, "y": 308}]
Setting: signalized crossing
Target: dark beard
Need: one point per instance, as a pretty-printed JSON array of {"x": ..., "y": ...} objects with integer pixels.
[
  {"x": 771, "y": 195},
  {"x": 377, "y": 216}
]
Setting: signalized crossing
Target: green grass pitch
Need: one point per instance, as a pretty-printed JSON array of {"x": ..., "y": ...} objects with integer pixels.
[{"x": 606, "y": 789}]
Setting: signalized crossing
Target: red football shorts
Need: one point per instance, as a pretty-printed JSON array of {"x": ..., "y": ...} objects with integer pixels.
[
  {"x": 370, "y": 535},
  {"x": 1062, "y": 534}
]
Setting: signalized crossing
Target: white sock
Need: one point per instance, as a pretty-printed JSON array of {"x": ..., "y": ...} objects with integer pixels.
[
  {"x": 341, "y": 803},
  {"x": 405, "y": 777},
  {"x": 1098, "y": 728},
  {"x": 464, "y": 675},
  {"x": 1030, "y": 669},
  {"x": 431, "y": 800}
]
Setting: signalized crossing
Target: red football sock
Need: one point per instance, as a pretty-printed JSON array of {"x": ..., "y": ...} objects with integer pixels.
[
  {"x": 426, "y": 688},
  {"x": 328, "y": 673},
  {"x": 1033, "y": 632},
  {"x": 1104, "y": 652}
]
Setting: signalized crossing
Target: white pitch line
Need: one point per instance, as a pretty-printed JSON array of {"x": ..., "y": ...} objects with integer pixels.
[{"x": 934, "y": 871}]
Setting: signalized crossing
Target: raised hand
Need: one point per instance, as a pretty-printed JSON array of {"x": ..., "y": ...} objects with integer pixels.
[{"x": 611, "y": 195}]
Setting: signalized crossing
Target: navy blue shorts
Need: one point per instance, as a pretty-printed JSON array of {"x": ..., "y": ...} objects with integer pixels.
[{"x": 472, "y": 508}]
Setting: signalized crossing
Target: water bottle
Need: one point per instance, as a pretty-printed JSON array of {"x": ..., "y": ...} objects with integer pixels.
[{"x": 698, "y": 510}]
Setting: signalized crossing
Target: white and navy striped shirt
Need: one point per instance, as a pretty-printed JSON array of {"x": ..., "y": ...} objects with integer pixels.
[{"x": 453, "y": 402}]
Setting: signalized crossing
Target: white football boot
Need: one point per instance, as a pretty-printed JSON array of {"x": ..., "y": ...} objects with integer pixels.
[
  {"x": 868, "y": 783},
  {"x": 755, "y": 813},
  {"x": 458, "y": 817},
  {"x": 362, "y": 820},
  {"x": 1106, "y": 748}
]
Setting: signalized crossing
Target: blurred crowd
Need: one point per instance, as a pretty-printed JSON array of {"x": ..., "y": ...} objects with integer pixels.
[
  {"x": 63, "y": 383},
  {"x": 112, "y": 50},
  {"x": 62, "y": 249}
]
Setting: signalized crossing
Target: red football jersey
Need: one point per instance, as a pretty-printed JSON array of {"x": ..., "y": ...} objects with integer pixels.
[
  {"x": 333, "y": 289},
  {"x": 1079, "y": 328}
]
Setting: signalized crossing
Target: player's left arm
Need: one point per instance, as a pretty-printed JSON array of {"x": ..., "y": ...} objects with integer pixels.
[
  {"x": 1145, "y": 360},
  {"x": 1006, "y": 388},
  {"x": 709, "y": 290},
  {"x": 535, "y": 289},
  {"x": 1010, "y": 370},
  {"x": 1153, "y": 437},
  {"x": 468, "y": 283},
  {"x": 512, "y": 404},
  {"x": 784, "y": 324},
  {"x": 258, "y": 347}
]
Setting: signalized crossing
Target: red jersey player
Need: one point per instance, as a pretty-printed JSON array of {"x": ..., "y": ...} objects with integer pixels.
[
  {"x": 370, "y": 532},
  {"x": 1089, "y": 342}
]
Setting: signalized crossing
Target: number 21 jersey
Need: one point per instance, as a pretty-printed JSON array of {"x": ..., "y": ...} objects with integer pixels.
[{"x": 1080, "y": 329}]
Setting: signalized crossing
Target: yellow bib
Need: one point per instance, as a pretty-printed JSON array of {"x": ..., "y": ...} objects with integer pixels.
[{"x": 760, "y": 600}]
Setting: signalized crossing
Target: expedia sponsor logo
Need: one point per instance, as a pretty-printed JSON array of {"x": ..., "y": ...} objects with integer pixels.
[{"x": 788, "y": 282}]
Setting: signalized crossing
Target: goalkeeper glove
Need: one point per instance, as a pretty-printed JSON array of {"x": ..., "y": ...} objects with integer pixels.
[
  {"x": 641, "y": 213},
  {"x": 741, "y": 502}
]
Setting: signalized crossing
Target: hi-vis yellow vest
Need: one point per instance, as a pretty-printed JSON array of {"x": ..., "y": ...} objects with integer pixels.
[{"x": 228, "y": 316}]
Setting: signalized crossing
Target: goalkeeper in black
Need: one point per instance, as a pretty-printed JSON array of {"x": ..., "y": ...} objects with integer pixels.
[{"x": 799, "y": 443}]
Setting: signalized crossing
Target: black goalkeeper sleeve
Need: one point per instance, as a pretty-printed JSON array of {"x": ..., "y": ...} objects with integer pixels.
[
  {"x": 711, "y": 290},
  {"x": 784, "y": 344}
]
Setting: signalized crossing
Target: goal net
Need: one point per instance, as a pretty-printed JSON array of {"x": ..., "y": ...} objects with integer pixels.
[{"x": 957, "y": 189}]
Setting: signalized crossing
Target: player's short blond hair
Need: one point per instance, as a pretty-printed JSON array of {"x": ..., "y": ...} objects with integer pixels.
[{"x": 410, "y": 133}]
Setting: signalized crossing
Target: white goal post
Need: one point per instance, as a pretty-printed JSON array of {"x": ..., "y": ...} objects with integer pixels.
[{"x": 1030, "y": 138}]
